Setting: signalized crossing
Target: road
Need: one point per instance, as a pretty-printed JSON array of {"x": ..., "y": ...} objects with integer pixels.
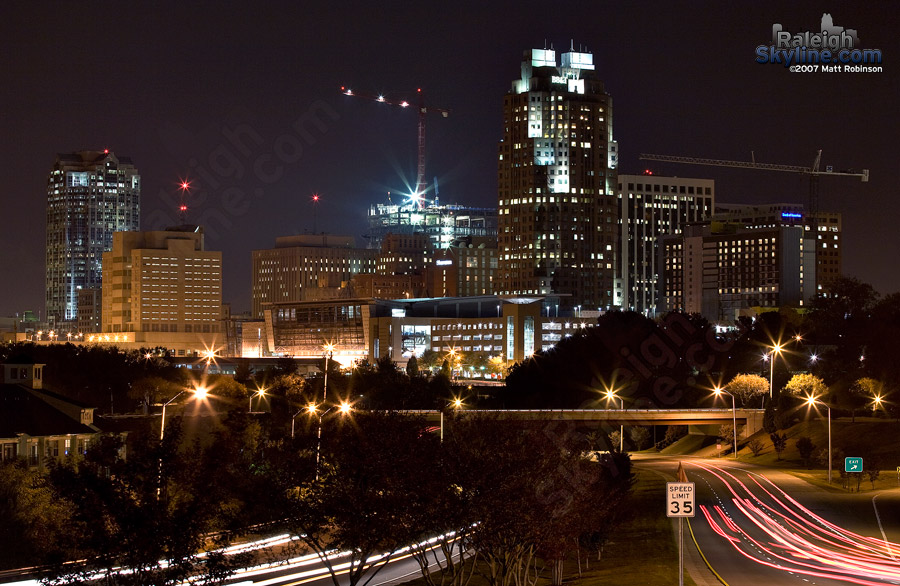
[
  {"x": 758, "y": 526},
  {"x": 306, "y": 569}
]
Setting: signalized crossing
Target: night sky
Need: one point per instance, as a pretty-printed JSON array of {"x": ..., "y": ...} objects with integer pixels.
[{"x": 213, "y": 92}]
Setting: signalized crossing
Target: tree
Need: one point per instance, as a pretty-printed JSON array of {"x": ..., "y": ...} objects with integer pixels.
[
  {"x": 243, "y": 373},
  {"x": 615, "y": 440},
  {"x": 862, "y": 392},
  {"x": 34, "y": 521},
  {"x": 805, "y": 447},
  {"x": 873, "y": 472},
  {"x": 412, "y": 367},
  {"x": 431, "y": 360},
  {"x": 154, "y": 389},
  {"x": 144, "y": 520},
  {"x": 779, "y": 443},
  {"x": 756, "y": 446},
  {"x": 806, "y": 385},
  {"x": 747, "y": 388},
  {"x": 640, "y": 436},
  {"x": 726, "y": 432},
  {"x": 368, "y": 498}
]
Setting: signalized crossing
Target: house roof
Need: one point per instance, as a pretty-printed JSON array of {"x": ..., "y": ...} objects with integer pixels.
[{"x": 23, "y": 412}]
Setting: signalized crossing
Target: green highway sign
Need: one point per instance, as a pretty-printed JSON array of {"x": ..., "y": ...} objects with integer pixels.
[{"x": 853, "y": 464}]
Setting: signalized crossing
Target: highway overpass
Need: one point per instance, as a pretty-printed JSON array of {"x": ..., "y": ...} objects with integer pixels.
[{"x": 710, "y": 419}]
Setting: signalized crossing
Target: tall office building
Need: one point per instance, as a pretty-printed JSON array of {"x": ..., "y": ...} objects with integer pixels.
[
  {"x": 306, "y": 267},
  {"x": 651, "y": 206},
  {"x": 724, "y": 270},
  {"x": 163, "y": 281},
  {"x": 90, "y": 195},
  {"x": 829, "y": 235},
  {"x": 558, "y": 219}
]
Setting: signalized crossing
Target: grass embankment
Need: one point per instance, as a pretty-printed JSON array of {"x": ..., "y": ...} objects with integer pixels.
[
  {"x": 641, "y": 552},
  {"x": 876, "y": 440}
]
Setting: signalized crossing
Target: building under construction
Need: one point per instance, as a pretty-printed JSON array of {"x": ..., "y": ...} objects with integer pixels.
[{"x": 443, "y": 223}]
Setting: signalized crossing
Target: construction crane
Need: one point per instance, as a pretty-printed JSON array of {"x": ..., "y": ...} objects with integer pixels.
[
  {"x": 419, "y": 194},
  {"x": 814, "y": 173}
]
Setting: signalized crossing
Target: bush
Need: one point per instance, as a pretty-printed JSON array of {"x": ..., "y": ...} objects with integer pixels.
[
  {"x": 779, "y": 442},
  {"x": 756, "y": 446},
  {"x": 805, "y": 446}
]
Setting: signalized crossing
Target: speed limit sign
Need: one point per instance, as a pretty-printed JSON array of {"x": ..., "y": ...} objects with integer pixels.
[{"x": 680, "y": 499}]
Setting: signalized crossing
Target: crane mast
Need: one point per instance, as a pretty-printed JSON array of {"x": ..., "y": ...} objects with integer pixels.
[{"x": 419, "y": 195}]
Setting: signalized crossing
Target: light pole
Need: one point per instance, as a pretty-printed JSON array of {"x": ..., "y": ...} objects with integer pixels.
[
  {"x": 611, "y": 395},
  {"x": 199, "y": 393},
  {"x": 344, "y": 408},
  {"x": 776, "y": 349},
  {"x": 812, "y": 401},
  {"x": 718, "y": 391},
  {"x": 329, "y": 352},
  {"x": 456, "y": 404}
]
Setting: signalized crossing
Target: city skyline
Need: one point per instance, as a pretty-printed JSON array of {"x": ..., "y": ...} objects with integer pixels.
[{"x": 246, "y": 104}]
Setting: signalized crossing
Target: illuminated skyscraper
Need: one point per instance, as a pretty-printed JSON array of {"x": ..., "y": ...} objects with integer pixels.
[
  {"x": 557, "y": 184},
  {"x": 90, "y": 195}
]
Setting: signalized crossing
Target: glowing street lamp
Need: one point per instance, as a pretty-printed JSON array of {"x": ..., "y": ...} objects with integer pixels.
[
  {"x": 344, "y": 408},
  {"x": 611, "y": 396},
  {"x": 812, "y": 401},
  {"x": 456, "y": 404},
  {"x": 260, "y": 393},
  {"x": 876, "y": 402},
  {"x": 776, "y": 349},
  {"x": 719, "y": 391},
  {"x": 199, "y": 393},
  {"x": 329, "y": 352}
]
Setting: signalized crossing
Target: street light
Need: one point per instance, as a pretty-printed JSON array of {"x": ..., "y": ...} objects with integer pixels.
[
  {"x": 199, "y": 393},
  {"x": 456, "y": 404},
  {"x": 876, "y": 402},
  {"x": 718, "y": 391},
  {"x": 329, "y": 352},
  {"x": 812, "y": 401},
  {"x": 776, "y": 349},
  {"x": 611, "y": 395},
  {"x": 344, "y": 408},
  {"x": 260, "y": 393}
]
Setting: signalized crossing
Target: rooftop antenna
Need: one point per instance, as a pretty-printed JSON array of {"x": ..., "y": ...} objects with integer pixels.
[
  {"x": 571, "y": 44},
  {"x": 184, "y": 187},
  {"x": 315, "y": 206}
]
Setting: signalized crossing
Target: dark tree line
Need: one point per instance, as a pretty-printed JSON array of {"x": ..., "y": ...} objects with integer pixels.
[{"x": 519, "y": 500}]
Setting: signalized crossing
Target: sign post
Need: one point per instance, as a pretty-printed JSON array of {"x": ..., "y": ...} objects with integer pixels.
[{"x": 680, "y": 503}]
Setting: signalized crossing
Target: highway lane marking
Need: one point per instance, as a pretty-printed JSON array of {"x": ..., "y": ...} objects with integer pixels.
[{"x": 880, "y": 528}]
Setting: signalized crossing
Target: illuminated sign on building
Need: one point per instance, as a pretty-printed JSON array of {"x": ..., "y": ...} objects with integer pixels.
[
  {"x": 791, "y": 215},
  {"x": 443, "y": 262}
]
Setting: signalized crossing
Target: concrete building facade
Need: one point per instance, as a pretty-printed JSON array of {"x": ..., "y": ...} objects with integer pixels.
[
  {"x": 829, "y": 233},
  {"x": 306, "y": 267},
  {"x": 479, "y": 329},
  {"x": 722, "y": 270},
  {"x": 652, "y": 206}
]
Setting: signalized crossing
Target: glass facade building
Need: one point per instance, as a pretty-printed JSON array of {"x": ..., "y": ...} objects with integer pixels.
[{"x": 90, "y": 195}]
